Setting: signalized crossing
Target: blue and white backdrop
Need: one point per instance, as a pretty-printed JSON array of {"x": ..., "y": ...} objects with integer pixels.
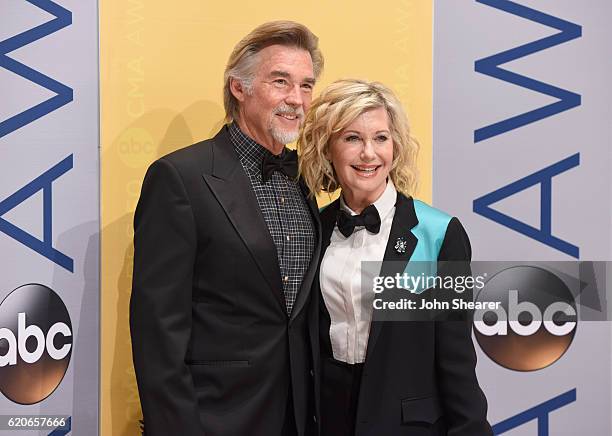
[
  {"x": 522, "y": 148},
  {"x": 49, "y": 215}
]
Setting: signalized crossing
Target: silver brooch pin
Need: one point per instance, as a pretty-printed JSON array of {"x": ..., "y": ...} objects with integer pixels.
[{"x": 400, "y": 245}]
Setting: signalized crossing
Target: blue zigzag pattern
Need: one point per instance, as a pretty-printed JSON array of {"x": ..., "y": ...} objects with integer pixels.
[
  {"x": 539, "y": 413},
  {"x": 490, "y": 67},
  {"x": 64, "y": 430},
  {"x": 543, "y": 177},
  {"x": 63, "y": 18}
]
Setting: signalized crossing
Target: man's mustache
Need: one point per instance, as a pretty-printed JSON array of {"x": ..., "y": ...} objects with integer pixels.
[{"x": 285, "y": 109}]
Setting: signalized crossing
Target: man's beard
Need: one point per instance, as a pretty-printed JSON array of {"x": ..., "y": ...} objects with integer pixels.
[{"x": 284, "y": 136}]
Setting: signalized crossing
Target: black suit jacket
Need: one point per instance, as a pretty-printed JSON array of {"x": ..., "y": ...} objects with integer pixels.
[
  {"x": 419, "y": 377},
  {"x": 214, "y": 350}
]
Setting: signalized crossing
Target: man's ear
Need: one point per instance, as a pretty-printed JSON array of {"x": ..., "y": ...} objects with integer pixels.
[{"x": 237, "y": 89}]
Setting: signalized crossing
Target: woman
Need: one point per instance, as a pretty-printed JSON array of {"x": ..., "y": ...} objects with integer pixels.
[{"x": 382, "y": 378}]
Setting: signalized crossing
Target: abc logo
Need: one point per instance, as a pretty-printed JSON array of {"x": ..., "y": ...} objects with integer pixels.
[
  {"x": 35, "y": 343},
  {"x": 535, "y": 323},
  {"x": 136, "y": 147}
]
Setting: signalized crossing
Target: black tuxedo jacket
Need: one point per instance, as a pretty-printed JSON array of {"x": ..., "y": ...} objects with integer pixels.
[
  {"x": 419, "y": 377},
  {"x": 215, "y": 352}
]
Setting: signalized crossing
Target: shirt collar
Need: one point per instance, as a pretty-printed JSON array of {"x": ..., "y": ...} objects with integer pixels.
[
  {"x": 384, "y": 205},
  {"x": 249, "y": 151}
]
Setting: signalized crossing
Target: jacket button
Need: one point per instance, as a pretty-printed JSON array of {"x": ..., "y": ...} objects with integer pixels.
[
  {"x": 314, "y": 418},
  {"x": 311, "y": 373}
]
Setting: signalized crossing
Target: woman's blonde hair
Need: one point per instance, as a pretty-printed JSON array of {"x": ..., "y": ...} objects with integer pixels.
[{"x": 337, "y": 107}]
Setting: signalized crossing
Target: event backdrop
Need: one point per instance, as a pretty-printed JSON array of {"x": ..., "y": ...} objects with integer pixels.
[
  {"x": 512, "y": 100},
  {"x": 521, "y": 153},
  {"x": 161, "y": 80},
  {"x": 49, "y": 217}
]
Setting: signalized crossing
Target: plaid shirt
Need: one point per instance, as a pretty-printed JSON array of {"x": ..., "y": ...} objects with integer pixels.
[{"x": 285, "y": 211}]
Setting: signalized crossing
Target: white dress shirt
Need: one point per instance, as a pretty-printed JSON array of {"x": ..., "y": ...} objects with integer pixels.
[{"x": 349, "y": 308}]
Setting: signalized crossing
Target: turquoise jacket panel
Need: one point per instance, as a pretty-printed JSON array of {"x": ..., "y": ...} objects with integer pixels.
[{"x": 429, "y": 232}]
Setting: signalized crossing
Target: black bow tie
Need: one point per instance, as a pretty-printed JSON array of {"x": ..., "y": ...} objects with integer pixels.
[
  {"x": 286, "y": 164},
  {"x": 368, "y": 218}
]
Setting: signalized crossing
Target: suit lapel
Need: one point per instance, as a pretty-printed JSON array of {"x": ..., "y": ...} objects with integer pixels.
[
  {"x": 321, "y": 314},
  {"x": 233, "y": 191},
  {"x": 306, "y": 286},
  {"x": 395, "y": 260},
  {"x": 328, "y": 222}
]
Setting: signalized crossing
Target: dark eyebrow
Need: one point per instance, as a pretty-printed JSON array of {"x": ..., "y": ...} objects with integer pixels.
[
  {"x": 286, "y": 75},
  {"x": 359, "y": 133},
  {"x": 280, "y": 73}
]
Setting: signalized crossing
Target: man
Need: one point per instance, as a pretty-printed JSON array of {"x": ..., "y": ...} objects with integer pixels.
[{"x": 226, "y": 244}]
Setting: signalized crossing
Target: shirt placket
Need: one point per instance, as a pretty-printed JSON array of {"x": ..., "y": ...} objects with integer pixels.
[{"x": 353, "y": 304}]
